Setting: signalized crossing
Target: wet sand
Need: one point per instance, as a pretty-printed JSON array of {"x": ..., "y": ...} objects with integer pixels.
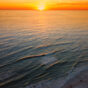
[{"x": 79, "y": 80}]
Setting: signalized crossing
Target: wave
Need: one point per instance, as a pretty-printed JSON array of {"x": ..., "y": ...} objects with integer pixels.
[
  {"x": 23, "y": 50},
  {"x": 38, "y": 71},
  {"x": 52, "y": 45},
  {"x": 11, "y": 55}
]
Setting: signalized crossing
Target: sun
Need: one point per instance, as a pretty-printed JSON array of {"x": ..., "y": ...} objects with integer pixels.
[{"x": 41, "y": 8}]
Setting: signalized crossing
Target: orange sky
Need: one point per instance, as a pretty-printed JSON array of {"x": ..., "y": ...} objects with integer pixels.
[{"x": 47, "y": 4}]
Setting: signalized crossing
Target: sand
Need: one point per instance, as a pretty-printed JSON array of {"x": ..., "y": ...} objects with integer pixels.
[{"x": 78, "y": 80}]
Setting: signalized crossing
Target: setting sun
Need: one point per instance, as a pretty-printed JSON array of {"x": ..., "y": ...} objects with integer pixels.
[{"x": 41, "y": 8}]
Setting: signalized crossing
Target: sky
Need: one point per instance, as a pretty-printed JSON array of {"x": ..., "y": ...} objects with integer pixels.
[{"x": 44, "y": 4}]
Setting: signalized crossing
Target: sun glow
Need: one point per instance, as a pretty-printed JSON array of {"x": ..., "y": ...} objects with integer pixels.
[
  {"x": 41, "y": 8},
  {"x": 42, "y": 5}
]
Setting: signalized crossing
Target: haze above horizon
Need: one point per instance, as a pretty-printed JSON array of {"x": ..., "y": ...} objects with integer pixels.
[{"x": 44, "y": 4}]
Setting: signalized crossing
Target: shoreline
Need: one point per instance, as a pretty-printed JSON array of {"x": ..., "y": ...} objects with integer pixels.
[{"x": 77, "y": 79}]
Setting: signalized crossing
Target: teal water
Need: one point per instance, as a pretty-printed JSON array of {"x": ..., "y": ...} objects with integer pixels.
[{"x": 41, "y": 45}]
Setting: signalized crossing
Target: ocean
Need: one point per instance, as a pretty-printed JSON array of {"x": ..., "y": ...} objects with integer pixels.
[{"x": 41, "y": 45}]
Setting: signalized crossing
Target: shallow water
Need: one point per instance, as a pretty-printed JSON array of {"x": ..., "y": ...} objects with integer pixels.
[{"x": 42, "y": 45}]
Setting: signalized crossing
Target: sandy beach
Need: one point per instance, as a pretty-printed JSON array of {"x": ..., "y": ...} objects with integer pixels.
[{"x": 79, "y": 80}]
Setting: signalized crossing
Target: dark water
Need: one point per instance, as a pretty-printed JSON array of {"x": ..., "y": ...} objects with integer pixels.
[{"x": 35, "y": 45}]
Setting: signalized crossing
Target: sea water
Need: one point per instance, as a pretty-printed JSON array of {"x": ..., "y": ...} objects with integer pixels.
[{"x": 41, "y": 45}]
